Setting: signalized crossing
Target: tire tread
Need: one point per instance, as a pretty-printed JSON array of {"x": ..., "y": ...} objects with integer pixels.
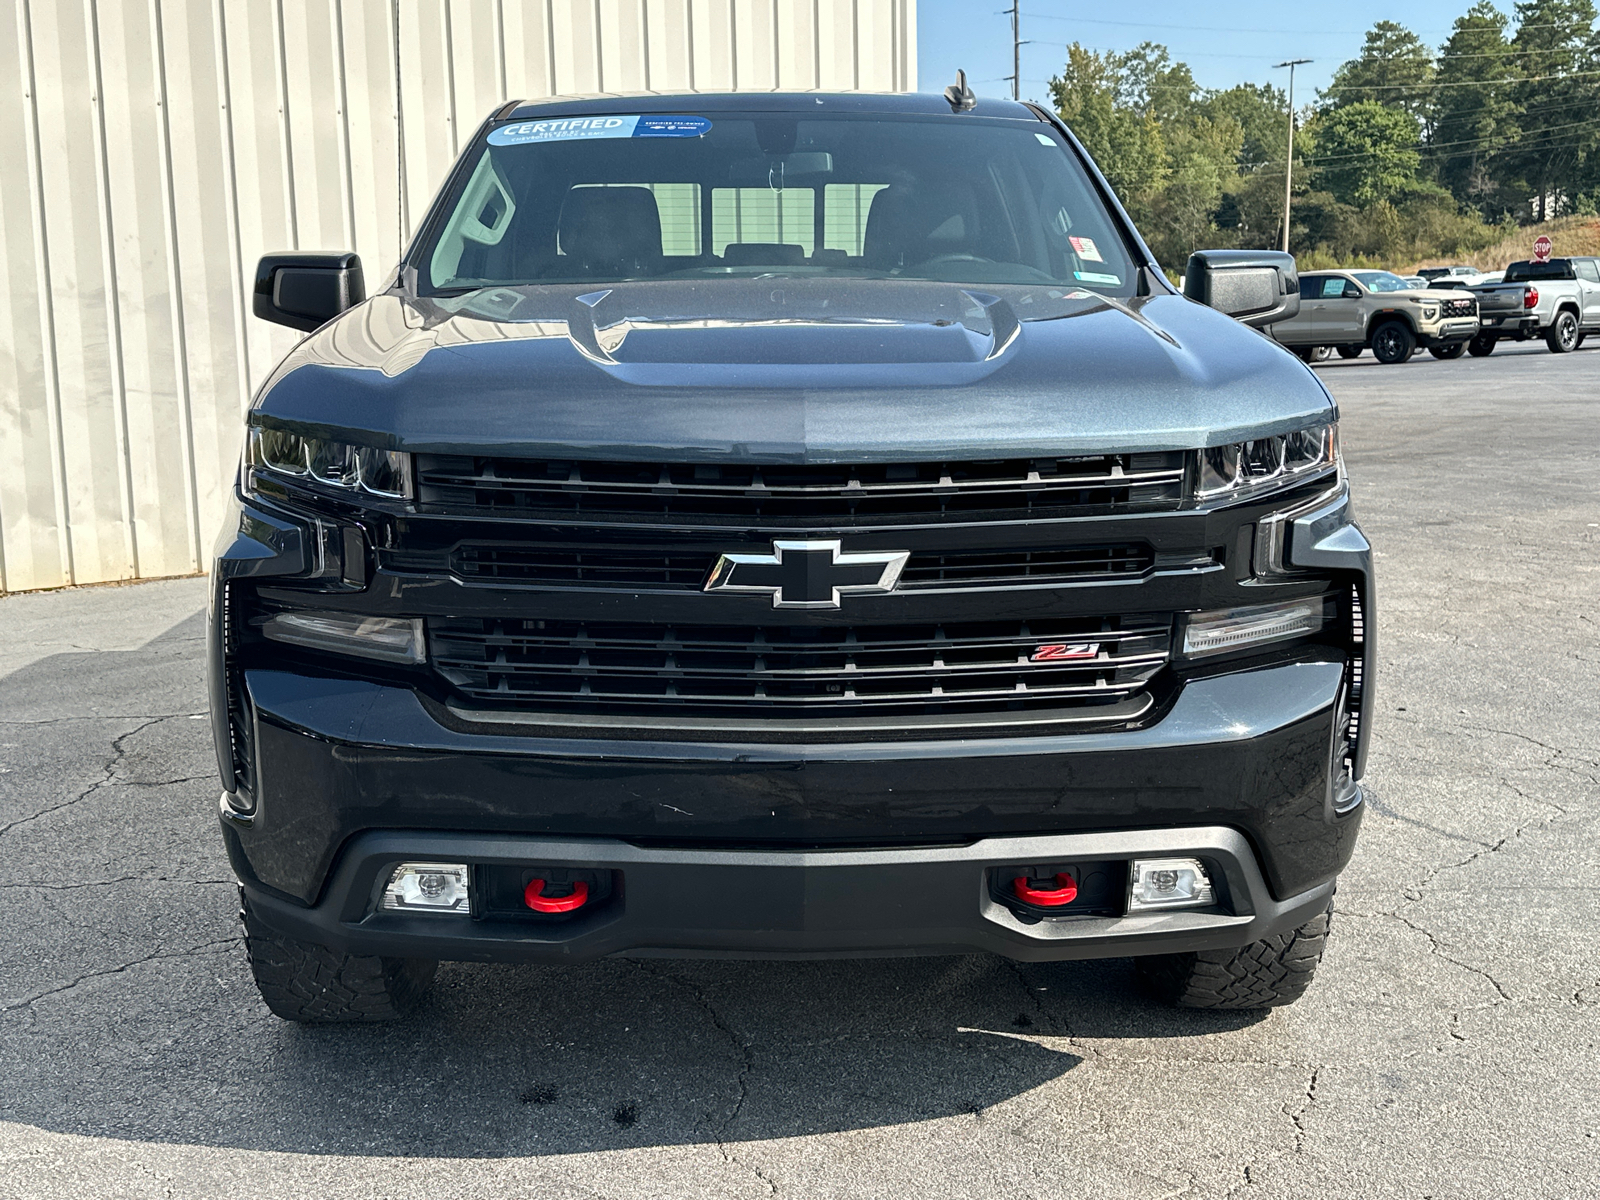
[
  {"x": 1266, "y": 974},
  {"x": 301, "y": 981}
]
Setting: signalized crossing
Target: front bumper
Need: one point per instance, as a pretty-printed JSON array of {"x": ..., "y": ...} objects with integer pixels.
[
  {"x": 1448, "y": 333},
  {"x": 789, "y": 903},
  {"x": 352, "y": 774}
]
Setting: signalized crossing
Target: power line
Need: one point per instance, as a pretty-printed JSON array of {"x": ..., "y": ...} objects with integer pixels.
[
  {"x": 1530, "y": 140},
  {"x": 1239, "y": 29},
  {"x": 1411, "y": 87}
]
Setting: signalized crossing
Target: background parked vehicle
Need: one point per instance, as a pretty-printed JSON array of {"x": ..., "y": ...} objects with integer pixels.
[
  {"x": 1352, "y": 310},
  {"x": 1558, "y": 300},
  {"x": 1468, "y": 275}
]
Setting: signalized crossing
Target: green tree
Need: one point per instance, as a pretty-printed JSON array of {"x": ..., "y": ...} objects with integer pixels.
[
  {"x": 1367, "y": 154},
  {"x": 1170, "y": 160},
  {"x": 1262, "y": 113},
  {"x": 1395, "y": 69},
  {"x": 1203, "y": 154},
  {"x": 1555, "y": 52},
  {"x": 1475, "y": 114},
  {"x": 1091, "y": 95}
]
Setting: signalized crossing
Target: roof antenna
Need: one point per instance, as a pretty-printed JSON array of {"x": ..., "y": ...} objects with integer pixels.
[{"x": 960, "y": 95}]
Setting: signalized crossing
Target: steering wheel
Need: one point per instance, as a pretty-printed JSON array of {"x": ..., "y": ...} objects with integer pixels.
[{"x": 953, "y": 257}]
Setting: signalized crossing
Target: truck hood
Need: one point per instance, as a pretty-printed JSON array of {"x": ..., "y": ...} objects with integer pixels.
[{"x": 788, "y": 369}]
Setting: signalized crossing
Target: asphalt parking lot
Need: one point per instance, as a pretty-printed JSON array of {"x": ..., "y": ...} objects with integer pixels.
[{"x": 1448, "y": 1048}]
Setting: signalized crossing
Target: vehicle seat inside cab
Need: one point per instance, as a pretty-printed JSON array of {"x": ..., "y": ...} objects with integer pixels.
[
  {"x": 609, "y": 231},
  {"x": 910, "y": 223}
]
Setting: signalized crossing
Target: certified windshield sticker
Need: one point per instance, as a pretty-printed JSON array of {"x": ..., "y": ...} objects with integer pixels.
[
  {"x": 1093, "y": 277},
  {"x": 1086, "y": 249},
  {"x": 570, "y": 129}
]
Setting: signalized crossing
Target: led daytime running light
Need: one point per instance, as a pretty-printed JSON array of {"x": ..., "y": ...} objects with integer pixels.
[{"x": 1234, "y": 628}]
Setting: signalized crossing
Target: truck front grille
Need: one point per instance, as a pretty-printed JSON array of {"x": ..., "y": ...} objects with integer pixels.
[
  {"x": 726, "y": 493},
  {"x": 781, "y": 672},
  {"x": 1459, "y": 308},
  {"x": 641, "y": 570}
]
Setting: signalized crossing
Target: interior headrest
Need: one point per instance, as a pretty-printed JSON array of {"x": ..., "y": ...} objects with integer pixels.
[
  {"x": 611, "y": 229},
  {"x": 909, "y": 223}
]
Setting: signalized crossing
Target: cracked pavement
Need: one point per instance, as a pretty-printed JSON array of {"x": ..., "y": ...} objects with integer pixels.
[{"x": 1447, "y": 1049}]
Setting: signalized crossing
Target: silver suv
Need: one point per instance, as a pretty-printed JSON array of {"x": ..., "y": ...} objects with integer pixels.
[{"x": 1351, "y": 310}]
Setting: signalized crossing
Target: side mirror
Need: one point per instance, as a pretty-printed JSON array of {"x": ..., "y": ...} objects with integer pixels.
[
  {"x": 1351, "y": 292},
  {"x": 1258, "y": 287},
  {"x": 304, "y": 291}
]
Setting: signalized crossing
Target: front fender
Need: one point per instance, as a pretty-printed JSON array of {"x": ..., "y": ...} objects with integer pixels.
[{"x": 252, "y": 543}]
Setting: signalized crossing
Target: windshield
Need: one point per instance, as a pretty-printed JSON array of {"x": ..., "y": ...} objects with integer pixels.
[
  {"x": 603, "y": 199},
  {"x": 1381, "y": 281}
]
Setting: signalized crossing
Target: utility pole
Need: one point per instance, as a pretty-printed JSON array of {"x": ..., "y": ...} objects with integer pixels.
[
  {"x": 1288, "y": 165},
  {"x": 1016, "y": 49}
]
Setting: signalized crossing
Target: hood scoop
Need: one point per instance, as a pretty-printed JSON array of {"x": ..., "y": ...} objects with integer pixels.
[{"x": 780, "y": 343}]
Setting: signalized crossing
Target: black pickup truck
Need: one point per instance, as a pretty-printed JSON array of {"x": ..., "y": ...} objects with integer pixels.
[{"x": 786, "y": 525}]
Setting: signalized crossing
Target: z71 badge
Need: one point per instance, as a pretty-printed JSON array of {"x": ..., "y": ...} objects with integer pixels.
[{"x": 1065, "y": 651}]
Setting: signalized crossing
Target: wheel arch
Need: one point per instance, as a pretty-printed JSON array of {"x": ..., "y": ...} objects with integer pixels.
[{"x": 1378, "y": 320}]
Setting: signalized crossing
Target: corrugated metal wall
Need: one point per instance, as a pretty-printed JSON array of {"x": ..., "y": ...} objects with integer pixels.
[{"x": 152, "y": 149}]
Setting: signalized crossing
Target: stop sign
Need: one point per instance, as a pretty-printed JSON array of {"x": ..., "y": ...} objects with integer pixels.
[{"x": 1542, "y": 247}]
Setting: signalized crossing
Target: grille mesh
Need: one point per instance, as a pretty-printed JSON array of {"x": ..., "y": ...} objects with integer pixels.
[
  {"x": 634, "y": 570},
  {"x": 797, "y": 670},
  {"x": 719, "y": 493}
]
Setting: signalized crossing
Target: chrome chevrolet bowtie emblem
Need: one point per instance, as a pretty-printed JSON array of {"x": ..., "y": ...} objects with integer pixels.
[{"x": 807, "y": 574}]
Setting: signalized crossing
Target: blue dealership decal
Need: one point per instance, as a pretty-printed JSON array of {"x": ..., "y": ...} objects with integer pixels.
[{"x": 580, "y": 128}]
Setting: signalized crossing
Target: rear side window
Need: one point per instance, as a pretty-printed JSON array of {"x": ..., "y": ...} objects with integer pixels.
[
  {"x": 974, "y": 200},
  {"x": 1311, "y": 286},
  {"x": 1587, "y": 270}
]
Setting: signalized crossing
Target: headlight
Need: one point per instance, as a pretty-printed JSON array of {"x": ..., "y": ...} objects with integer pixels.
[
  {"x": 1429, "y": 314},
  {"x": 1242, "y": 469},
  {"x": 385, "y": 473}
]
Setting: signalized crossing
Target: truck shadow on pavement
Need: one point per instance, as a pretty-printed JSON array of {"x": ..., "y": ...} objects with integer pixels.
[{"x": 127, "y": 1009}]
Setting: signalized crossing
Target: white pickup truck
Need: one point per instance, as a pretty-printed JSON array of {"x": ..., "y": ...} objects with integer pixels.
[{"x": 1558, "y": 300}]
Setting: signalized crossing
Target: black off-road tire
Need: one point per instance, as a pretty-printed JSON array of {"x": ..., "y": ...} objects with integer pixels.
[
  {"x": 1481, "y": 346},
  {"x": 1562, "y": 336},
  {"x": 1265, "y": 974},
  {"x": 1350, "y": 351},
  {"x": 1393, "y": 342},
  {"x": 1453, "y": 350},
  {"x": 301, "y": 981}
]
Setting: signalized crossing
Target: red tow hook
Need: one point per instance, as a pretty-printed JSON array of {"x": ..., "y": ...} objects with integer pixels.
[
  {"x": 1065, "y": 891},
  {"x": 533, "y": 896}
]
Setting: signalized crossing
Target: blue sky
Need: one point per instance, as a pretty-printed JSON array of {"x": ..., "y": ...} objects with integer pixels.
[{"x": 1224, "y": 43}]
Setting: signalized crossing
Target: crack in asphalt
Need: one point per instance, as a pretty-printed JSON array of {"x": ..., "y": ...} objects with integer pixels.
[
  {"x": 118, "y": 753},
  {"x": 100, "y": 717},
  {"x": 746, "y": 1065},
  {"x": 41, "y": 885},
  {"x": 1298, "y": 1117},
  {"x": 119, "y": 969}
]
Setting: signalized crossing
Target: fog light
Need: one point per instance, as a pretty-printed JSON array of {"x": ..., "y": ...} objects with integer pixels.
[
  {"x": 429, "y": 887},
  {"x": 1168, "y": 883}
]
